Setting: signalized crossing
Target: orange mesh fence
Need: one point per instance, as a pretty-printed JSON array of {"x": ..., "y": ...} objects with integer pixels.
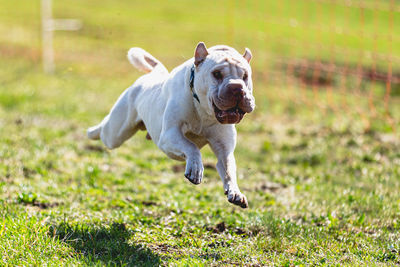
[{"x": 330, "y": 54}]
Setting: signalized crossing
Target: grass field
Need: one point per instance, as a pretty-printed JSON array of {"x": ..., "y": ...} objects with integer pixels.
[{"x": 321, "y": 189}]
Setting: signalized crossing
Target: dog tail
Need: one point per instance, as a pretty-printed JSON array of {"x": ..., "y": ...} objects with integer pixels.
[{"x": 143, "y": 61}]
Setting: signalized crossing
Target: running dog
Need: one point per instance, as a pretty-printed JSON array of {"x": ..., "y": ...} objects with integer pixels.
[{"x": 197, "y": 103}]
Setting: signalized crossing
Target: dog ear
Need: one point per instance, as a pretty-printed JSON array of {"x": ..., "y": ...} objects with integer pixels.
[
  {"x": 247, "y": 55},
  {"x": 200, "y": 53}
]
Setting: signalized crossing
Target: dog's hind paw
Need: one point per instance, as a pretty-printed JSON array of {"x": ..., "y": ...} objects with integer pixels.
[
  {"x": 194, "y": 171},
  {"x": 238, "y": 198}
]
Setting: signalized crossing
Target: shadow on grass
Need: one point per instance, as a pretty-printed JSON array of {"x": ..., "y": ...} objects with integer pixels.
[{"x": 107, "y": 244}]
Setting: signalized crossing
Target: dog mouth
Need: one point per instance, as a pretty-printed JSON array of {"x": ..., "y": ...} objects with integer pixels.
[{"x": 229, "y": 116}]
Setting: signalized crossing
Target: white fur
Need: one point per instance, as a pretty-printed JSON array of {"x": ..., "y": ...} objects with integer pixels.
[{"x": 162, "y": 103}]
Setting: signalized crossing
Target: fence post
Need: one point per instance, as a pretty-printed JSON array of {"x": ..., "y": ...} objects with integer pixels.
[{"x": 49, "y": 25}]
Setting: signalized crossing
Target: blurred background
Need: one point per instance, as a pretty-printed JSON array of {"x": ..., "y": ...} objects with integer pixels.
[{"x": 335, "y": 58}]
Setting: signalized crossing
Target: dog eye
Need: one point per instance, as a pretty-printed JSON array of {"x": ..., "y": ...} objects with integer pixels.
[
  {"x": 217, "y": 75},
  {"x": 245, "y": 77}
]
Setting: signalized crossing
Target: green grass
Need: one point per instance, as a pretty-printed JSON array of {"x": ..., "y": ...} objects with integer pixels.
[{"x": 322, "y": 184}]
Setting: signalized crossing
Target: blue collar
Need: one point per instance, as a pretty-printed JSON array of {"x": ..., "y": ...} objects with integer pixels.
[{"x": 191, "y": 84}]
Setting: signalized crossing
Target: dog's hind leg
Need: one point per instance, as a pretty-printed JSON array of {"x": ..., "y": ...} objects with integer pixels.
[
  {"x": 94, "y": 132},
  {"x": 121, "y": 123}
]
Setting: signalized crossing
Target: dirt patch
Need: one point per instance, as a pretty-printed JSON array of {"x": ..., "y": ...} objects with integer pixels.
[
  {"x": 210, "y": 166},
  {"x": 18, "y": 121},
  {"x": 95, "y": 148},
  {"x": 178, "y": 168},
  {"x": 223, "y": 227},
  {"x": 42, "y": 205},
  {"x": 219, "y": 228},
  {"x": 165, "y": 249},
  {"x": 28, "y": 172},
  {"x": 149, "y": 203},
  {"x": 271, "y": 187},
  {"x": 219, "y": 243}
]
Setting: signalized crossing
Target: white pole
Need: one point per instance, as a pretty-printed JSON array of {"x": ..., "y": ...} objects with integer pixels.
[
  {"x": 49, "y": 25},
  {"x": 47, "y": 37}
]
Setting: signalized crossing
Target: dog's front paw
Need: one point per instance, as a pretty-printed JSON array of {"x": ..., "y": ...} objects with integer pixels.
[
  {"x": 194, "y": 171},
  {"x": 237, "y": 198}
]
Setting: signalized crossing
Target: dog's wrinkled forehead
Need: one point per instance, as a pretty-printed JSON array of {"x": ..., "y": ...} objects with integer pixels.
[
  {"x": 226, "y": 55},
  {"x": 231, "y": 67}
]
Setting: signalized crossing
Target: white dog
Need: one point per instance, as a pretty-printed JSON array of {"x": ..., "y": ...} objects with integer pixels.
[{"x": 198, "y": 103}]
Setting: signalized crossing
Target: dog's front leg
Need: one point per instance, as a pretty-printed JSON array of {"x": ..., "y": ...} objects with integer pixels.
[
  {"x": 177, "y": 146},
  {"x": 223, "y": 144}
]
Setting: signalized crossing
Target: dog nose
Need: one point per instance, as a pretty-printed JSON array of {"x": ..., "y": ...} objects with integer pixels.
[{"x": 236, "y": 89}]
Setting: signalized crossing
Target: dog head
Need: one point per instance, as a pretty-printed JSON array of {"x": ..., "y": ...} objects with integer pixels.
[{"x": 223, "y": 82}]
